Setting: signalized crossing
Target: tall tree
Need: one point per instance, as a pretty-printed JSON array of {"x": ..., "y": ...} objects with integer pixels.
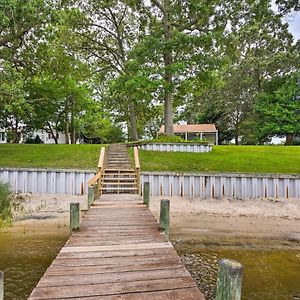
[{"x": 279, "y": 109}]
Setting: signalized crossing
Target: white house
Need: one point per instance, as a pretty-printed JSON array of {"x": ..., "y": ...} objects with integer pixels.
[{"x": 45, "y": 136}]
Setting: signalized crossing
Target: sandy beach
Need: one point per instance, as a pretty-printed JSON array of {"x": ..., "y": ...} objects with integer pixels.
[{"x": 195, "y": 220}]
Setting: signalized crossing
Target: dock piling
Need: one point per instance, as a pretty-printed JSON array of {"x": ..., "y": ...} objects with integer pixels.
[
  {"x": 1, "y": 285},
  {"x": 146, "y": 194},
  {"x": 91, "y": 196},
  {"x": 164, "y": 218},
  {"x": 229, "y": 282},
  {"x": 74, "y": 216}
]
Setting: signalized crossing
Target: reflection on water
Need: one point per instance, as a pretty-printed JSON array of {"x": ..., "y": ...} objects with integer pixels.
[
  {"x": 24, "y": 258},
  {"x": 268, "y": 275}
]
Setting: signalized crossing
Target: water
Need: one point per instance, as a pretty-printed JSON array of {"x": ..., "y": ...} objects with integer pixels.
[
  {"x": 24, "y": 258},
  {"x": 268, "y": 275}
]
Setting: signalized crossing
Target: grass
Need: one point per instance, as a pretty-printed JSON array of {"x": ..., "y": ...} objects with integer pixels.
[
  {"x": 5, "y": 204},
  {"x": 258, "y": 159},
  {"x": 49, "y": 156}
]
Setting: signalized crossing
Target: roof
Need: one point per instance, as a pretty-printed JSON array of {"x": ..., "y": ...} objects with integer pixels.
[{"x": 191, "y": 128}]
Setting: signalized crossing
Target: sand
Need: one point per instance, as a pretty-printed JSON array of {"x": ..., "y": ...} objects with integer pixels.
[
  {"x": 211, "y": 221},
  {"x": 275, "y": 223}
]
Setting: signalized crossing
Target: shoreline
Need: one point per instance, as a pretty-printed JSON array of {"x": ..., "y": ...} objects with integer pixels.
[{"x": 268, "y": 224}]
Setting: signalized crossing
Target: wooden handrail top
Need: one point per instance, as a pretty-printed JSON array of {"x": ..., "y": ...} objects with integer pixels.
[
  {"x": 136, "y": 158},
  {"x": 101, "y": 158},
  {"x": 94, "y": 179}
]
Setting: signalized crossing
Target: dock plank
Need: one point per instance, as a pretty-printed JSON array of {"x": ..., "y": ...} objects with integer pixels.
[{"x": 119, "y": 253}]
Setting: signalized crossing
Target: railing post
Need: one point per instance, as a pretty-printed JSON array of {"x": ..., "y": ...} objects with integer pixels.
[
  {"x": 1, "y": 285},
  {"x": 229, "y": 282},
  {"x": 74, "y": 216},
  {"x": 164, "y": 218},
  {"x": 146, "y": 194},
  {"x": 90, "y": 196},
  {"x": 96, "y": 191}
]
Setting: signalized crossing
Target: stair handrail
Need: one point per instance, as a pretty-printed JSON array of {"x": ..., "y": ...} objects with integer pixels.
[
  {"x": 137, "y": 167},
  {"x": 101, "y": 159},
  {"x": 96, "y": 178}
]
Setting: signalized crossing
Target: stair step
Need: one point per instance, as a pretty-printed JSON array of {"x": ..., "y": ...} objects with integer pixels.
[
  {"x": 119, "y": 170},
  {"x": 118, "y": 189},
  {"x": 118, "y": 184},
  {"x": 118, "y": 178}
]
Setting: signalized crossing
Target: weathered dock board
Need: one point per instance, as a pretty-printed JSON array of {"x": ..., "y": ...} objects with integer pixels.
[{"x": 119, "y": 253}]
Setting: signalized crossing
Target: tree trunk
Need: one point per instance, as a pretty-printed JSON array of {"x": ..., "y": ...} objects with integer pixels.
[
  {"x": 54, "y": 136},
  {"x": 67, "y": 130},
  {"x": 17, "y": 136},
  {"x": 236, "y": 139},
  {"x": 66, "y": 122},
  {"x": 73, "y": 131},
  {"x": 133, "y": 134},
  {"x": 289, "y": 139},
  {"x": 169, "y": 131}
]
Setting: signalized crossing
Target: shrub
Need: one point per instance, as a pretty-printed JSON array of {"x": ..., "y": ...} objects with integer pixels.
[
  {"x": 168, "y": 139},
  {"x": 6, "y": 198}
]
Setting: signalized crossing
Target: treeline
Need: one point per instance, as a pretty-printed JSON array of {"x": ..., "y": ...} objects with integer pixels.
[{"x": 85, "y": 67}]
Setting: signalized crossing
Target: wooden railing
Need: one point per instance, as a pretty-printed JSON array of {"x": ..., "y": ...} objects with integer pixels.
[
  {"x": 137, "y": 167},
  {"x": 95, "y": 179}
]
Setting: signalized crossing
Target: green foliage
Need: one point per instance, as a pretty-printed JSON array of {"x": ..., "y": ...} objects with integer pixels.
[
  {"x": 168, "y": 139},
  {"x": 279, "y": 110},
  {"x": 6, "y": 199}
]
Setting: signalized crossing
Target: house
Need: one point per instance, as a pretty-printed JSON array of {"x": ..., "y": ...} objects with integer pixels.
[
  {"x": 206, "y": 132},
  {"x": 45, "y": 137}
]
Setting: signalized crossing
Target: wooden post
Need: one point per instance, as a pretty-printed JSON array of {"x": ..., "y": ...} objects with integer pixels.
[
  {"x": 91, "y": 196},
  {"x": 164, "y": 218},
  {"x": 74, "y": 216},
  {"x": 96, "y": 191},
  {"x": 146, "y": 194},
  {"x": 1, "y": 285},
  {"x": 229, "y": 282}
]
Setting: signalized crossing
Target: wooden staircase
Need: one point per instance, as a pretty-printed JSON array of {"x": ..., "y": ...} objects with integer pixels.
[{"x": 118, "y": 175}]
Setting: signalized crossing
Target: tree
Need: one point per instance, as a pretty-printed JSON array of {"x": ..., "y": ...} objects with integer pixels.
[
  {"x": 180, "y": 46},
  {"x": 279, "y": 109},
  {"x": 259, "y": 47}
]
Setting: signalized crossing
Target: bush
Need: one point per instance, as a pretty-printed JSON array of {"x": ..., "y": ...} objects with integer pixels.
[
  {"x": 5, "y": 203},
  {"x": 168, "y": 139},
  {"x": 32, "y": 140}
]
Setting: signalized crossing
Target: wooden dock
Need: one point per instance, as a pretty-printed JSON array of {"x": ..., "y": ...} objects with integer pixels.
[{"x": 119, "y": 253}]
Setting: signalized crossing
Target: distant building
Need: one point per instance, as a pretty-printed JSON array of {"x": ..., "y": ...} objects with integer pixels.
[
  {"x": 44, "y": 135},
  {"x": 206, "y": 132}
]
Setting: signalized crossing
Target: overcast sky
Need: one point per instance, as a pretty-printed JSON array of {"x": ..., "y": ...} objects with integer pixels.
[{"x": 294, "y": 25}]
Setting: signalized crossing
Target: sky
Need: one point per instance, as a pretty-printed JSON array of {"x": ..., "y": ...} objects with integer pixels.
[{"x": 294, "y": 25}]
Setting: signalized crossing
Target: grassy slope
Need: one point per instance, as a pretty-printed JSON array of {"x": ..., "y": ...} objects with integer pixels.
[
  {"x": 261, "y": 159},
  {"x": 49, "y": 156}
]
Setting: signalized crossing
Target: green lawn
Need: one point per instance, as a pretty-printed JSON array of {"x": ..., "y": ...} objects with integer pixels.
[
  {"x": 49, "y": 156},
  {"x": 261, "y": 159}
]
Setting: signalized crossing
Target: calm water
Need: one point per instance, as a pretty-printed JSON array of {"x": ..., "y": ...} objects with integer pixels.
[
  {"x": 24, "y": 259},
  {"x": 268, "y": 275}
]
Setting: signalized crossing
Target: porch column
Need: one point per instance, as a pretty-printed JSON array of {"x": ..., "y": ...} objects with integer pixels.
[{"x": 186, "y": 136}]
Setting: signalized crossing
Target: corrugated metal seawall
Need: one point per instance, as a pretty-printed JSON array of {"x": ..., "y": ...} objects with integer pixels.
[
  {"x": 223, "y": 185},
  {"x": 202, "y": 185},
  {"x": 169, "y": 147},
  {"x": 46, "y": 181}
]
